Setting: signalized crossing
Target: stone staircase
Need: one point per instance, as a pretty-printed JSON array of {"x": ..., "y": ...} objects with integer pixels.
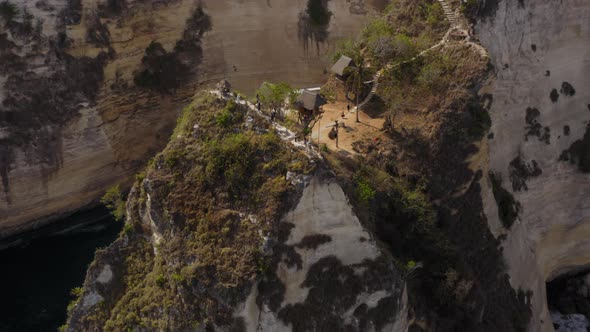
[
  {"x": 375, "y": 86},
  {"x": 454, "y": 17},
  {"x": 449, "y": 13}
]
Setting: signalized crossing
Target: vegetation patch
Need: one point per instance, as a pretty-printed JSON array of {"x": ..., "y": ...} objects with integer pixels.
[
  {"x": 567, "y": 89},
  {"x": 534, "y": 127},
  {"x": 114, "y": 201},
  {"x": 520, "y": 171},
  {"x": 313, "y": 23},
  {"x": 579, "y": 152},
  {"x": 161, "y": 70},
  {"x": 333, "y": 290},
  {"x": 508, "y": 207},
  {"x": 313, "y": 241},
  {"x": 427, "y": 201},
  {"x": 318, "y": 12},
  {"x": 554, "y": 95},
  {"x": 166, "y": 70}
]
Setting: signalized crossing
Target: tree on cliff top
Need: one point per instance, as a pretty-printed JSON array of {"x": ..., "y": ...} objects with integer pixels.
[
  {"x": 274, "y": 96},
  {"x": 113, "y": 200}
]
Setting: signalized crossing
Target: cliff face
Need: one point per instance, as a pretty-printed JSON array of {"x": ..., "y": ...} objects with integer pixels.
[
  {"x": 82, "y": 103},
  {"x": 232, "y": 228},
  {"x": 539, "y": 142}
]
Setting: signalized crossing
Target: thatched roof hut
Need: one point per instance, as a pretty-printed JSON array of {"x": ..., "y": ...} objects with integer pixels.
[{"x": 340, "y": 66}]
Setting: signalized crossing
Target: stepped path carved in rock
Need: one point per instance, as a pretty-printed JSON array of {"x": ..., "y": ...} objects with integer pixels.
[{"x": 458, "y": 28}]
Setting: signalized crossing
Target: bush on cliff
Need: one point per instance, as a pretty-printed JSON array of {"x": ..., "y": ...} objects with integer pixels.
[{"x": 114, "y": 201}]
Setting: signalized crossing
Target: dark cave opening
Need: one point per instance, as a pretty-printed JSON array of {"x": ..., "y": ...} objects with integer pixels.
[{"x": 568, "y": 299}]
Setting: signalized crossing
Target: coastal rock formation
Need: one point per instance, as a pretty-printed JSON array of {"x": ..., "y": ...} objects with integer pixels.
[
  {"x": 539, "y": 138},
  {"x": 206, "y": 247},
  {"x": 84, "y": 103}
]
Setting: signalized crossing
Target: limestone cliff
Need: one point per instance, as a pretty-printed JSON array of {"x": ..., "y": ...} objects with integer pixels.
[
  {"x": 233, "y": 228},
  {"x": 84, "y": 103},
  {"x": 539, "y": 139}
]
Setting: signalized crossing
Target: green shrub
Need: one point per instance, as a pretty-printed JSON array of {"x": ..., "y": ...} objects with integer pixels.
[
  {"x": 140, "y": 177},
  {"x": 434, "y": 13},
  {"x": 113, "y": 200},
  {"x": 263, "y": 266},
  {"x": 177, "y": 277},
  {"x": 377, "y": 28},
  {"x": 230, "y": 160},
  {"x": 224, "y": 119},
  {"x": 161, "y": 280},
  {"x": 346, "y": 47},
  {"x": 173, "y": 157},
  {"x": 75, "y": 293},
  {"x": 364, "y": 191},
  {"x": 128, "y": 228}
]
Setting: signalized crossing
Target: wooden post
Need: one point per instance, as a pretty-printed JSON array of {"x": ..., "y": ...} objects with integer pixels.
[
  {"x": 319, "y": 129},
  {"x": 336, "y": 126}
]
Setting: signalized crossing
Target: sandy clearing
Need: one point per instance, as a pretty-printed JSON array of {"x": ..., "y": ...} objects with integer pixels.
[{"x": 368, "y": 128}]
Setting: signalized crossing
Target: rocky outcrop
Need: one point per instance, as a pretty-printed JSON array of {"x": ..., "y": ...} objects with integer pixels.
[
  {"x": 342, "y": 279},
  {"x": 540, "y": 53},
  {"x": 82, "y": 108},
  {"x": 207, "y": 247}
]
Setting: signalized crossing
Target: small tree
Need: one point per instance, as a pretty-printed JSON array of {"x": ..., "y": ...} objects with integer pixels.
[
  {"x": 346, "y": 47},
  {"x": 113, "y": 200},
  {"x": 274, "y": 95}
]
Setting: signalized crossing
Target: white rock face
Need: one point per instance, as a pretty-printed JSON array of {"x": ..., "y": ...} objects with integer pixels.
[
  {"x": 109, "y": 140},
  {"x": 324, "y": 209},
  {"x": 570, "y": 323},
  {"x": 553, "y": 234},
  {"x": 105, "y": 275}
]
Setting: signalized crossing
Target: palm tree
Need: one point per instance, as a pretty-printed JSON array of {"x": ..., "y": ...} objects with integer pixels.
[{"x": 355, "y": 75}]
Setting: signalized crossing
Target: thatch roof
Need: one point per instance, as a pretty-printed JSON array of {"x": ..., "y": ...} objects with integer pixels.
[
  {"x": 341, "y": 65},
  {"x": 310, "y": 100}
]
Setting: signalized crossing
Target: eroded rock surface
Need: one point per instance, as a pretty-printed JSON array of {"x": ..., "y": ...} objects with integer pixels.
[
  {"x": 204, "y": 250},
  {"x": 341, "y": 280},
  {"x": 540, "y": 52},
  {"x": 81, "y": 108}
]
